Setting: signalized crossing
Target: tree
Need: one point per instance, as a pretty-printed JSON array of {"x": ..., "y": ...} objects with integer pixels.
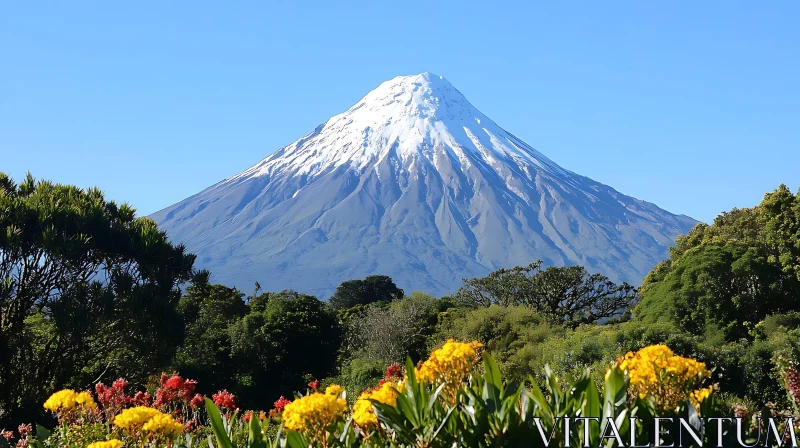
[
  {"x": 512, "y": 334},
  {"x": 726, "y": 277},
  {"x": 566, "y": 295},
  {"x": 391, "y": 333},
  {"x": 374, "y": 288},
  {"x": 284, "y": 338},
  {"x": 83, "y": 281},
  {"x": 209, "y": 311}
]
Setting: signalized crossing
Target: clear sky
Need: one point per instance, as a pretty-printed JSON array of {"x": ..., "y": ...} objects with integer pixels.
[{"x": 694, "y": 106}]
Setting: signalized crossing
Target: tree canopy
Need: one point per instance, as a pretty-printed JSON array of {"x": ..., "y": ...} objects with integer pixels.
[
  {"x": 284, "y": 339},
  {"x": 85, "y": 281},
  {"x": 566, "y": 295},
  {"x": 731, "y": 274},
  {"x": 374, "y": 288}
]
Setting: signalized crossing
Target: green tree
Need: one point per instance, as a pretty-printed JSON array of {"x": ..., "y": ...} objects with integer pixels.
[
  {"x": 85, "y": 282},
  {"x": 566, "y": 295},
  {"x": 726, "y": 277},
  {"x": 392, "y": 332},
  {"x": 209, "y": 311},
  {"x": 374, "y": 288},
  {"x": 284, "y": 338},
  {"x": 512, "y": 334}
]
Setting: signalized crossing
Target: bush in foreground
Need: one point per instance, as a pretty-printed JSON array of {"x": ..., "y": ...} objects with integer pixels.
[{"x": 457, "y": 397}]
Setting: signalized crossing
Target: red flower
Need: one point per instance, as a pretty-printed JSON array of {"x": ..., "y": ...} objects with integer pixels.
[
  {"x": 224, "y": 399},
  {"x": 281, "y": 403},
  {"x": 188, "y": 389},
  {"x": 164, "y": 396},
  {"x": 141, "y": 399},
  {"x": 191, "y": 425},
  {"x": 248, "y": 416},
  {"x": 314, "y": 384},
  {"x": 114, "y": 396},
  {"x": 8, "y": 435},
  {"x": 24, "y": 430},
  {"x": 793, "y": 382},
  {"x": 197, "y": 400},
  {"x": 174, "y": 382},
  {"x": 393, "y": 371},
  {"x": 174, "y": 387}
]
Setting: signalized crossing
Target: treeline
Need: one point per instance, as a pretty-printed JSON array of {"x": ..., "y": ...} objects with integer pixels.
[{"x": 89, "y": 292}]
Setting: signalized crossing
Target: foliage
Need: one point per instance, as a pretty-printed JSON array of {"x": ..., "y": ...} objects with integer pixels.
[
  {"x": 208, "y": 311},
  {"x": 374, "y": 288},
  {"x": 84, "y": 281},
  {"x": 512, "y": 334},
  {"x": 726, "y": 277},
  {"x": 566, "y": 295},
  {"x": 283, "y": 338},
  {"x": 391, "y": 332}
]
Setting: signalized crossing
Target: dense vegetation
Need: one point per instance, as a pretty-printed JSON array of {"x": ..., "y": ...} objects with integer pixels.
[{"x": 85, "y": 282}]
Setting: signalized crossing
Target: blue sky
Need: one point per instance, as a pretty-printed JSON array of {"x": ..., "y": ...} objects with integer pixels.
[{"x": 694, "y": 106}]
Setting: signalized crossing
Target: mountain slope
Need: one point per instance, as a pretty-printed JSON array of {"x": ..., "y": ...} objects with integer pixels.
[{"x": 412, "y": 182}]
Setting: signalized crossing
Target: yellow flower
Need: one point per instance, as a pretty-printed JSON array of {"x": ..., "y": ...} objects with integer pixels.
[
  {"x": 61, "y": 400},
  {"x": 314, "y": 412},
  {"x": 334, "y": 389},
  {"x": 85, "y": 399},
  {"x": 133, "y": 417},
  {"x": 364, "y": 413},
  {"x": 450, "y": 364},
  {"x": 699, "y": 395},
  {"x": 113, "y": 443},
  {"x": 657, "y": 372},
  {"x": 163, "y": 424},
  {"x": 68, "y": 399}
]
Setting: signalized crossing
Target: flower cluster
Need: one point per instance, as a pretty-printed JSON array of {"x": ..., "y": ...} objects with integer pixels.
[
  {"x": 393, "y": 371},
  {"x": 113, "y": 398},
  {"x": 163, "y": 424},
  {"x": 657, "y": 372},
  {"x": 148, "y": 420},
  {"x": 113, "y": 443},
  {"x": 363, "y": 411},
  {"x": 197, "y": 401},
  {"x": 174, "y": 388},
  {"x": 224, "y": 399},
  {"x": 792, "y": 381},
  {"x": 449, "y": 365},
  {"x": 68, "y": 399},
  {"x": 281, "y": 403},
  {"x": 315, "y": 412},
  {"x": 700, "y": 395},
  {"x": 132, "y": 418}
]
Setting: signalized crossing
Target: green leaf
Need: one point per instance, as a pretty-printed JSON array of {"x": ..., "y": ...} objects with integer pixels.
[
  {"x": 256, "y": 438},
  {"x": 492, "y": 373},
  {"x": 217, "y": 426},
  {"x": 295, "y": 440},
  {"x": 42, "y": 433}
]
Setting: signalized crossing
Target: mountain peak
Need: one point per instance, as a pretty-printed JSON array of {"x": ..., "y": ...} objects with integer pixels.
[
  {"x": 418, "y": 117},
  {"x": 413, "y": 182},
  {"x": 425, "y": 93}
]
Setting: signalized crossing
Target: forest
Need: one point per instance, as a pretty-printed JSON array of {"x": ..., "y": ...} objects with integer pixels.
[{"x": 99, "y": 306}]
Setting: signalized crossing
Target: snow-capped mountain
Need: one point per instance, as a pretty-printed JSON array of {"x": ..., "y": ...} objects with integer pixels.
[{"x": 415, "y": 183}]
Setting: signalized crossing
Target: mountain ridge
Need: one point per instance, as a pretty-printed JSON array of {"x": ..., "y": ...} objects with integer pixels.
[{"x": 414, "y": 182}]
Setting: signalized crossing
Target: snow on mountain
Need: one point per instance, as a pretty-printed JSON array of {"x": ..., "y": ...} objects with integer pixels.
[{"x": 413, "y": 182}]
